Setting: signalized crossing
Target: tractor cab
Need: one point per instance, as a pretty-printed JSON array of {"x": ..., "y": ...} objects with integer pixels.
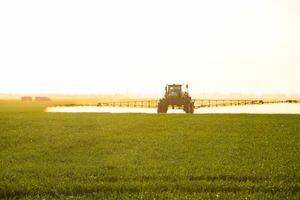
[{"x": 175, "y": 90}]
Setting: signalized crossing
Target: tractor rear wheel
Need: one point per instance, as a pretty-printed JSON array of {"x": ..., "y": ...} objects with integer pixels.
[
  {"x": 159, "y": 110},
  {"x": 162, "y": 107},
  {"x": 189, "y": 108}
]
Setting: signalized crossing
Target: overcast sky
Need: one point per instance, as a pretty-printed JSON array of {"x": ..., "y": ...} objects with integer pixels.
[{"x": 139, "y": 46}]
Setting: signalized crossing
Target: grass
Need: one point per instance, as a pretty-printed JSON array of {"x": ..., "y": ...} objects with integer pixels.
[{"x": 147, "y": 156}]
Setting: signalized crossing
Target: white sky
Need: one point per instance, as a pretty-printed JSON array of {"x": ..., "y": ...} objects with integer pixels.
[{"x": 113, "y": 46}]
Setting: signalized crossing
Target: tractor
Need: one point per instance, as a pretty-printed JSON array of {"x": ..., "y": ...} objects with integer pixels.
[{"x": 176, "y": 95}]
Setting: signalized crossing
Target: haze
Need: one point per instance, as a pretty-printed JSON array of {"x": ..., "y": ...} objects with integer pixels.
[{"x": 139, "y": 46}]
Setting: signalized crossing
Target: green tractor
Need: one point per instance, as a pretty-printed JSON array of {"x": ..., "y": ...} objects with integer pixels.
[{"x": 176, "y": 95}]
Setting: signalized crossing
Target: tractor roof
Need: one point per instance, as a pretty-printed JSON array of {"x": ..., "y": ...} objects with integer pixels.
[{"x": 174, "y": 84}]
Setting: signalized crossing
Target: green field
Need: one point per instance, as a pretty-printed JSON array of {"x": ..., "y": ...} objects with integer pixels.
[{"x": 147, "y": 156}]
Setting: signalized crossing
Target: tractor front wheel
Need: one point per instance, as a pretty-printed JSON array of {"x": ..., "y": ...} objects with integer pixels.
[
  {"x": 162, "y": 107},
  {"x": 189, "y": 108}
]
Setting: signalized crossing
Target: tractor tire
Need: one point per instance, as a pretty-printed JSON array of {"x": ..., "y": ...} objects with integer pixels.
[
  {"x": 162, "y": 107},
  {"x": 189, "y": 108},
  {"x": 192, "y": 108},
  {"x": 159, "y": 108},
  {"x": 185, "y": 108}
]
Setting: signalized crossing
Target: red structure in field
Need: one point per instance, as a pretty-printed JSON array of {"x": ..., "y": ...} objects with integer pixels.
[
  {"x": 42, "y": 99},
  {"x": 26, "y": 98}
]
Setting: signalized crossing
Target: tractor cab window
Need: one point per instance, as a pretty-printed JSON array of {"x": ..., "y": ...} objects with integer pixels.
[{"x": 174, "y": 91}]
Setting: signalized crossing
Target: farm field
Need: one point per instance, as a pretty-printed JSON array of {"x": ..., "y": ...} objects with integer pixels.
[{"x": 147, "y": 156}]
